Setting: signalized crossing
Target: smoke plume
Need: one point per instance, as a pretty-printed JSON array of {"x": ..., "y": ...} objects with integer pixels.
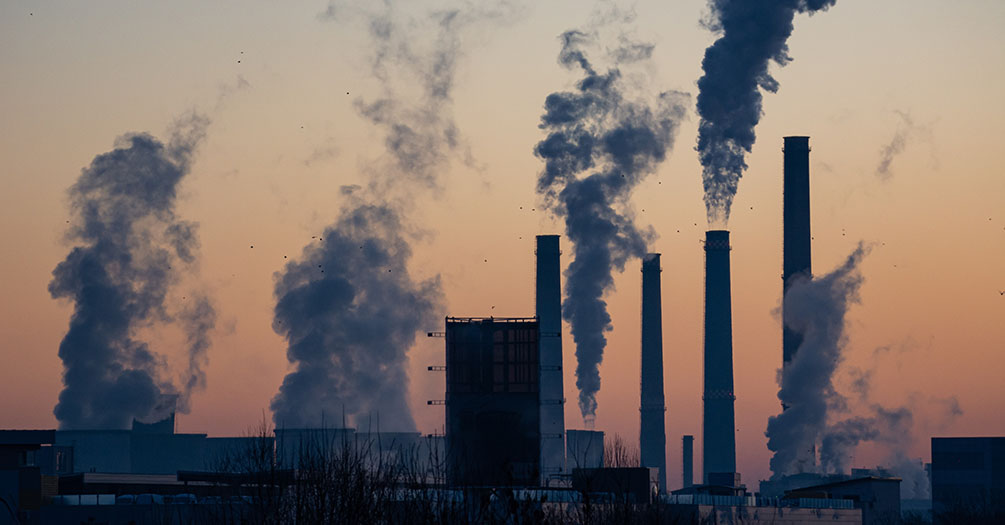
[
  {"x": 130, "y": 252},
  {"x": 906, "y": 129},
  {"x": 816, "y": 309},
  {"x": 752, "y": 34},
  {"x": 601, "y": 144},
  {"x": 350, "y": 310},
  {"x": 814, "y": 433},
  {"x": 348, "y": 307}
]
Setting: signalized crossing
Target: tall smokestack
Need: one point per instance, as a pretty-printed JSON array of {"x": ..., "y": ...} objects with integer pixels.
[
  {"x": 551, "y": 393},
  {"x": 796, "y": 224},
  {"x": 718, "y": 435},
  {"x": 652, "y": 430},
  {"x": 687, "y": 462}
]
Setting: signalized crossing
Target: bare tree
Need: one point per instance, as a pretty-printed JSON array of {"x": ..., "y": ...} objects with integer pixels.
[{"x": 618, "y": 453}]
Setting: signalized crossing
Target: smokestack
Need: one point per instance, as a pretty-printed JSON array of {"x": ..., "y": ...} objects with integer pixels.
[
  {"x": 551, "y": 392},
  {"x": 718, "y": 435},
  {"x": 796, "y": 224},
  {"x": 652, "y": 431},
  {"x": 687, "y": 462}
]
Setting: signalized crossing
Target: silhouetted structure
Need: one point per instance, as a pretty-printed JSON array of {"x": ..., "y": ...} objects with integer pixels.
[
  {"x": 687, "y": 462},
  {"x": 796, "y": 256},
  {"x": 493, "y": 417},
  {"x": 585, "y": 449},
  {"x": 968, "y": 479},
  {"x": 652, "y": 407},
  {"x": 22, "y": 479},
  {"x": 879, "y": 498},
  {"x": 549, "y": 318},
  {"x": 718, "y": 434},
  {"x": 628, "y": 484}
]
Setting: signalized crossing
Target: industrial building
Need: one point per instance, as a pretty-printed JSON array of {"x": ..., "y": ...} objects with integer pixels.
[
  {"x": 585, "y": 449},
  {"x": 968, "y": 479},
  {"x": 879, "y": 498},
  {"x": 492, "y": 405}
]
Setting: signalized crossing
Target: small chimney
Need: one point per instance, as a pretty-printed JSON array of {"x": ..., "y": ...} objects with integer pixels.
[
  {"x": 652, "y": 434},
  {"x": 687, "y": 462},
  {"x": 718, "y": 435},
  {"x": 551, "y": 393}
]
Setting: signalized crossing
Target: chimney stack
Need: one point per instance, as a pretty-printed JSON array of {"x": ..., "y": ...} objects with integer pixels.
[
  {"x": 796, "y": 226},
  {"x": 687, "y": 462},
  {"x": 718, "y": 434},
  {"x": 652, "y": 431},
  {"x": 551, "y": 393}
]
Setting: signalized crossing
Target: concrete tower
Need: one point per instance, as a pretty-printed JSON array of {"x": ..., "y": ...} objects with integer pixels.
[
  {"x": 796, "y": 228},
  {"x": 551, "y": 394},
  {"x": 718, "y": 434},
  {"x": 652, "y": 431}
]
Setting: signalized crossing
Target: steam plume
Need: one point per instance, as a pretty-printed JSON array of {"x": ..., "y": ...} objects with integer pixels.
[
  {"x": 601, "y": 144},
  {"x": 752, "y": 34},
  {"x": 812, "y": 423},
  {"x": 130, "y": 252},
  {"x": 816, "y": 309},
  {"x": 906, "y": 129},
  {"x": 348, "y": 308}
]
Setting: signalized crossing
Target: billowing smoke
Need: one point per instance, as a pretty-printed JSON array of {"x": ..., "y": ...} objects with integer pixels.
[
  {"x": 895, "y": 430},
  {"x": 601, "y": 144},
  {"x": 130, "y": 253},
  {"x": 752, "y": 34},
  {"x": 348, "y": 307},
  {"x": 350, "y": 310},
  {"x": 816, "y": 309},
  {"x": 815, "y": 433}
]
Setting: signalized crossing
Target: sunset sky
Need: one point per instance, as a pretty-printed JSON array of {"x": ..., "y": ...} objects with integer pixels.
[{"x": 278, "y": 81}]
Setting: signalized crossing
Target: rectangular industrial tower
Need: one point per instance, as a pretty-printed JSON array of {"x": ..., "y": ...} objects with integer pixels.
[
  {"x": 652, "y": 407},
  {"x": 549, "y": 318},
  {"x": 718, "y": 428},
  {"x": 493, "y": 414},
  {"x": 796, "y": 229}
]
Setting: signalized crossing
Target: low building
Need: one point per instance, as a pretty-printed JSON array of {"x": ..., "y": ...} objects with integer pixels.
[
  {"x": 22, "y": 484},
  {"x": 879, "y": 498},
  {"x": 631, "y": 484}
]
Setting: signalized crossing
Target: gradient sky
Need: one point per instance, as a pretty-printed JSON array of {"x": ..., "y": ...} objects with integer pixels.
[{"x": 74, "y": 76}]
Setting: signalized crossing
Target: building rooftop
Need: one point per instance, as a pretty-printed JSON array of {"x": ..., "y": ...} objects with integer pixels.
[
  {"x": 843, "y": 483},
  {"x": 27, "y": 437}
]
